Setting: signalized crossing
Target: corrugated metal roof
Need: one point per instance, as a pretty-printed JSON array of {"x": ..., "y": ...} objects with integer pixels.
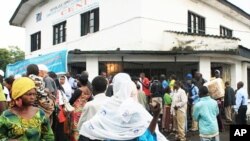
[{"x": 203, "y": 35}]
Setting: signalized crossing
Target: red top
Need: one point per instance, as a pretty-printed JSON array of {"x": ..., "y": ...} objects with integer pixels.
[{"x": 145, "y": 86}]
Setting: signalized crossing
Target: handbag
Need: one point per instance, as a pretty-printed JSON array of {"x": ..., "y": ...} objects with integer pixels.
[{"x": 67, "y": 106}]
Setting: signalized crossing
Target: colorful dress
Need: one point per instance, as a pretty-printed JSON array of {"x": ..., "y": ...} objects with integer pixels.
[
  {"x": 82, "y": 98},
  {"x": 13, "y": 126},
  {"x": 167, "y": 119}
]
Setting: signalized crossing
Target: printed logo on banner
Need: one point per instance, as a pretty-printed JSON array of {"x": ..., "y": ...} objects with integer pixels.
[{"x": 239, "y": 132}]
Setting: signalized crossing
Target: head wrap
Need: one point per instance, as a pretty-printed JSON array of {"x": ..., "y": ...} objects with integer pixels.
[
  {"x": 67, "y": 87},
  {"x": 21, "y": 86},
  {"x": 40, "y": 85},
  {"x": 121, "y": 117},
  {"x": 43, "y": 67}
]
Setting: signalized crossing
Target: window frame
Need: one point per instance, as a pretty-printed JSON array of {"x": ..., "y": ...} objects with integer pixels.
[
  {"x": 59, "y": 32},
  {"x": 196, "y": 23},
  {"x": 92, "y": 24},
  {"x": 226, "y": 32},
  {"x": 35, "y": 41}
]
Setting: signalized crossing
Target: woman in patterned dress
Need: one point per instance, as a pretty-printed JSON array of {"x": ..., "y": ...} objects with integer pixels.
[
  {"x": 23, "y": 121},
  {"x": 80, "y": 97}
]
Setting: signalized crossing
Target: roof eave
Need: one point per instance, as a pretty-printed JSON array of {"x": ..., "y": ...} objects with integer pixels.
[
  {"x": 236, "y": 8},
  {"x": 240, "y": 51},
  {"x": 16, "y": 12},
  {"x": 151, "y": 52}
]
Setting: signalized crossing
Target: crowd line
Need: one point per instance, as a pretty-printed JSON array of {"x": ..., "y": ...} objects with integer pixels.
[{"x": 42, "y": 105}]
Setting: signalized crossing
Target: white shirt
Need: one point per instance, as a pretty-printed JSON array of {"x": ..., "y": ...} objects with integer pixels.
[
  {"x": 179, "y": 99},
  {"x": 91, "y": 108},
  {"x": 241, "y": 98}
]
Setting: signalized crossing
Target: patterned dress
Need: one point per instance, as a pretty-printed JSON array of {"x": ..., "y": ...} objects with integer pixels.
[
  {"x": 13, "y": 126},
  {"x": 84, "y": 94}
]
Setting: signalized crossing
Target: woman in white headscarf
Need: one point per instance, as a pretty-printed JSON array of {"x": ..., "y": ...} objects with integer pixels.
[
  {"x": 66, "y": 86},
  {"x": 122, "y": 117}
]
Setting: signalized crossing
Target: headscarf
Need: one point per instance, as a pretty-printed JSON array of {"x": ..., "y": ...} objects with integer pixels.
[
  {"x": 67, "y": 87},
  {"x": 121, "y": 117},
  {"x": 21, "y": 86},
  {"x": 40, "y": 85}
]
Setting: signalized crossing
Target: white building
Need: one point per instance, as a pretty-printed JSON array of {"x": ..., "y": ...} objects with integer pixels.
[{"x": 154, "y": 36}]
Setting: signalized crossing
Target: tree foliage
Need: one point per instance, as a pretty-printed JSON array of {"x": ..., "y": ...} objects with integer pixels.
[{"x": 10, "y": 55}]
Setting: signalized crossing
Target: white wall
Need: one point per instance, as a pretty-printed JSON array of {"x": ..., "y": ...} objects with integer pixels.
[
  {"x": 236, "y": 73},
  {"x": 204, "y": 67},
  {"x": 92, "y": 67},
  {"x": 115, "y": 12},
  {"x": 126, "y": 24},
  {"x": 172, "y": 15}
]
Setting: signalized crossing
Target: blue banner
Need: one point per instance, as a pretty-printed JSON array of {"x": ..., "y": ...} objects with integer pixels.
[{"x": 56, "y": 62}]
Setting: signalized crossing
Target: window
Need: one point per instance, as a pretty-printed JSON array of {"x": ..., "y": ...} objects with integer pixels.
[
  {"x": 196, "y": 23},
  {"x": 226, "y": 32},
  {"x": 59, "y": 33},
  {"x": 35, "y": 41},
  {"x": 38, "y": 17},
  {"x": 90, "y": 22}
]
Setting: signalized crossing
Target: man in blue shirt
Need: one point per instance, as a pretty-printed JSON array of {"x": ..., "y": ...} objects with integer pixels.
[{"x": 241, "y": 104}]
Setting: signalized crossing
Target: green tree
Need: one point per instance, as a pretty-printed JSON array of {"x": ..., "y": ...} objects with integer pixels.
[
  {"x": 10, "y": 55},
  {"x": 16, "y": 54}
]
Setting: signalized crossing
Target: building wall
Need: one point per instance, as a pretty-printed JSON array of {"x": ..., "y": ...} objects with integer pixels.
[
  {"x": 124, "y": 24},
  {"x": 173, "y": 15}
]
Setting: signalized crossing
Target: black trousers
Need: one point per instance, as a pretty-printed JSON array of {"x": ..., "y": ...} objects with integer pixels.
[
  {"x": 82, "y": 138},
  {"x": 241, "y": 116}
]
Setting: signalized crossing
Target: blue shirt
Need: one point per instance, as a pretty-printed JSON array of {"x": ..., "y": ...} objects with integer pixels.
[
  {"x": 147, "y": 136},
  {"x": 194, "y": 90},
  {"x": 205, "y": 112},
  {"x": 241, "y": 98},
  {"x": 164, "y": 84}
]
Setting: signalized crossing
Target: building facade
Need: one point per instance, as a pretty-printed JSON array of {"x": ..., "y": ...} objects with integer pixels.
[{"x": 155, "y": 37}]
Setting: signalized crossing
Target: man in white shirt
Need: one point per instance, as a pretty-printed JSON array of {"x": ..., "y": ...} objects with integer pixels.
[
  {"x": 99, "y": 85},
  {"x": 241, "y": 104},
  {"x": 179, "y": 110}
]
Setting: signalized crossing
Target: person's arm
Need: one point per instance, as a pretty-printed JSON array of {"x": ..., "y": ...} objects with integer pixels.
[
  {"x": 46, "y": 131},
  {"x": 196, "y": 93},
  {"x": 156, "y": 113},
  {"x": 237, "y": 101},
  {"x": 217, "y": 110},
  {"x": 196, "y": 112}
]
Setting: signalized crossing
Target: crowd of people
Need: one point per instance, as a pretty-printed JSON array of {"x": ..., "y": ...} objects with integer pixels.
[{"x": 42, "y": 105}]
